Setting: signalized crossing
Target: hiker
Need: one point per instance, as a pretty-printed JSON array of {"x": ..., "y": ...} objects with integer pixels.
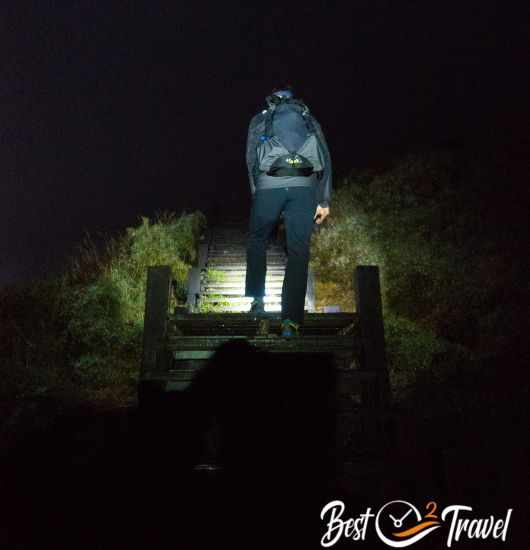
[{"x": 289, "y": 170}]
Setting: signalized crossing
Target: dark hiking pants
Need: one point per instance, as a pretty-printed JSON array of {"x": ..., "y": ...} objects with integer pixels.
[{"x": 298, "y": 205}]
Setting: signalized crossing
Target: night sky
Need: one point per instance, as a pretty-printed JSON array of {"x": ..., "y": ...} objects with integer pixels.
[{"x": 112, "y": 110}]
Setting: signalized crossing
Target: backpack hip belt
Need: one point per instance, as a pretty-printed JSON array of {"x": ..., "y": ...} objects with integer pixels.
[{"x": 290, "y": 171}]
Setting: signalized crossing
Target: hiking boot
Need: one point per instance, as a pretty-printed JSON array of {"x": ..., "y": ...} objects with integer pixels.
[
  {"x": 290, "y": 328},
  {"x": 257, "y": 307}
]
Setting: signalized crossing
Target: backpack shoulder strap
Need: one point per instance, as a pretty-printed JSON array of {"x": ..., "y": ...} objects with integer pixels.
[
  {"x": 309, "y": 123},
  {"x": 269, "y": 114},
  {"x": 307, "y": 116}
]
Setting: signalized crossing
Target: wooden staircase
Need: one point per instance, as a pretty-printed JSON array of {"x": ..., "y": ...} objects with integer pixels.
[
  {"x": 179, "y": 344},
  {"x": 217, "y": 283}
]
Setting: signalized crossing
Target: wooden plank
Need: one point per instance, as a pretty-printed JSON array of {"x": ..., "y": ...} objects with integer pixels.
[
  {"x": 155, "y": 318},
  {"x": 221, "y": 317},
  {"x": 202, "y": 255},
  {"x": 194, "y": 288},
  {"x": 371, "y": 331},
  {"x": 192, "y": 355},
  {"x": 310, "y": 292},
  {"x": 273, "y": 343}
]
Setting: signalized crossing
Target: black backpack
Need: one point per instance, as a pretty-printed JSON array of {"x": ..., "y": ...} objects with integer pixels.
[{"x": 273, "y": 156}]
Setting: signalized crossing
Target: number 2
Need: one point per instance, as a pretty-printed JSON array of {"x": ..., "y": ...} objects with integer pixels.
[{"x": 433, "y": 507}]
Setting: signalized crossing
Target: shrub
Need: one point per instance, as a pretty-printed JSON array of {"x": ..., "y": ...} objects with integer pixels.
[
  {"x": 448, "y": 274},
  {"x": 82, "y": 330}
]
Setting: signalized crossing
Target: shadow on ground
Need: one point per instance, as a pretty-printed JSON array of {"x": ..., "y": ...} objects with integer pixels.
[{"x": 126, "y": 479}]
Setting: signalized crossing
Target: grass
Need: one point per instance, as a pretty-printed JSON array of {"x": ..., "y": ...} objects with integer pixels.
[
  {"x": 451, "y": 271},
  {"x": 451, "y": 282},
  {"x": 78, "y": 335}
]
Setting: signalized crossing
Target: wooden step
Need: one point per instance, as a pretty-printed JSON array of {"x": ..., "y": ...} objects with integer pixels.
[
  {"x": 238, "y": 286},
  {"x": 237, "y": 268},
  {"x": 241, "y": 246},
  {"x": 273, "y": 267},
  {"x": 324, "y": 321},
  {"x": 238, "y": 282},
  {"x": 242, "y": 262},
  {"x": 237, "y": 308},
  {"x": 249, "y": 330},
  {"x": 237, "y": 300},
  {"x": 339, "y": 319},
  {"x": 236, "y": 237},
  {"x": 245, "y": 324},
  {"x": 273, "y": 343},
  {"x": 235, "y": 275},
  {"x": 243, "y": 257},
  {"x": 237, "y": 292}
]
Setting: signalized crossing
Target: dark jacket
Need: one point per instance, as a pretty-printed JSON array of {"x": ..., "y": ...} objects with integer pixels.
[{"x": 260, "y": 180}]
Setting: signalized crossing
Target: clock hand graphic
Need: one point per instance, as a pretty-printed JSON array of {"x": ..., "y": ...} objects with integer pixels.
[{"x": 398, "y": 523}]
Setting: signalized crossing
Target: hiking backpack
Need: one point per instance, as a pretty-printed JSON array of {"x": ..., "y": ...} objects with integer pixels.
[{"x": 274, "y": 158}]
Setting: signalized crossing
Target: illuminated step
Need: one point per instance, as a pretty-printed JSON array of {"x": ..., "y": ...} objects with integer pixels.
[
  {"x": 241, "y": 269},
  {"x": 221, "y": 265},
  {"x": 243, "y": 305},
  {"x": 239, "y": 283},
  {"x": 232, "y": 271},
  {"x": 238, "y": 288},
  {"x": 235, "y": 266},
  {"x": 242, "y": 247},
  {"x": 237, "y": 299},
  {"x": 231, "y": 278},
  {"x": 242, "y": 251},
  {"x": 241, "y": 255},
  {"x": 269, "y": 308},
  {"x": 230, "y": 274},
  {"x": 234, "y": 282},
  {"x": 231, "y": 282},
  {"x": 228, "y": 299},
  {"x": 237, "y": 292},
  {"x": 242, "y": 262}
]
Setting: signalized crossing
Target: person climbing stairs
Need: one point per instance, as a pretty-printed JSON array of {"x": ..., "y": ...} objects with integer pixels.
[{"x": 220, "y": 283}]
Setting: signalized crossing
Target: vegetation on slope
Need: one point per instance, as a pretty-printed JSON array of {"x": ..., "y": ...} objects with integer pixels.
[
  {"x": 78, "y": 335},
  {"x": 440, "y": 225}
]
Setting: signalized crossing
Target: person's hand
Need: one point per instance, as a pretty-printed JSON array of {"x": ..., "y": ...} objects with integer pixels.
[{"x": 321, "y": 214}]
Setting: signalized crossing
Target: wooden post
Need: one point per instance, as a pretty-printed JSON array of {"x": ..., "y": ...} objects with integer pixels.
[
  {"x": 310, "y": 292},
  {"x": 194, "y": 288},
  {"x": 155, "y": 319},
  {"x": 202, "y": 256},
  {"x": 375, "y": 390},
  {"x": 194, "y": 274}
]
